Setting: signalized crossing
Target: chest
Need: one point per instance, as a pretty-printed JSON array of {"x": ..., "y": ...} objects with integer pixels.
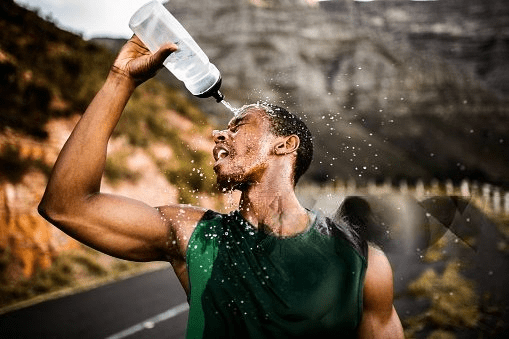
[
  {"x": 309, "y": 284},
  {"x": 252, "y": 285}
]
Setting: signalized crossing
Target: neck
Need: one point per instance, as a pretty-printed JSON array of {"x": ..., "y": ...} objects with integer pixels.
[{"x": 273, "y": 205}]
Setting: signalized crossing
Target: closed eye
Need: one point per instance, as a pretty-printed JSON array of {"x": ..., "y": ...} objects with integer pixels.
[{"x": 235, "y": 128}]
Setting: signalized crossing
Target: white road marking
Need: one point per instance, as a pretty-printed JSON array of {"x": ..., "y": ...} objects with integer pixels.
[{"x": 151, "y": 322}]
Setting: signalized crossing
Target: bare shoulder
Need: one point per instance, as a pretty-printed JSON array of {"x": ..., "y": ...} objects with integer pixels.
[
  {"x": 181, "y": 220},
  {"x": 378, "y": 286},
  {"x": 379, "y": 319},
  {"x": 181, "y": 214}
]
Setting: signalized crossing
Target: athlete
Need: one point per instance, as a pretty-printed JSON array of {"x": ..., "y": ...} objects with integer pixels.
[{"x": 269, "y": 269}]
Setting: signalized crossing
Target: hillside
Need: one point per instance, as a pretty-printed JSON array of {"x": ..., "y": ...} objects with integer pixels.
[
  {"x": 379, "y": 109},
  {"x": 160, "y": 152}
]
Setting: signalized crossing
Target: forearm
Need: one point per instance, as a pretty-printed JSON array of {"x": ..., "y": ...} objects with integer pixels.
[{"x": 78, "y": 170}]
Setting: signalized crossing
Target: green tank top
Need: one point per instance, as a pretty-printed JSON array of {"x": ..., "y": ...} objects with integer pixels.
[{"x": 245, "y": 283}]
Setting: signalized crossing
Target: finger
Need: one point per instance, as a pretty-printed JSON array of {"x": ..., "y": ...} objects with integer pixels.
[{"x": 163, "y": 52}]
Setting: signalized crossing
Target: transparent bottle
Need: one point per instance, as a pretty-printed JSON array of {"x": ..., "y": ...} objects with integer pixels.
[{"x": 155, "y": 26}]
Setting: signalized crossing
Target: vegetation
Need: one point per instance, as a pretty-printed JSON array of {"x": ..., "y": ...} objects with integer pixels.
[
  {"x": 454, "y": 302},
  {"x": 46, "y": 73},
  {"x": 14, "y": 166},
  {"x": 145, "y": 121},
  {"x": 193, "y": 175},
  {"x": 41, "y": 65},
  {"x": 117, "y": 170}
]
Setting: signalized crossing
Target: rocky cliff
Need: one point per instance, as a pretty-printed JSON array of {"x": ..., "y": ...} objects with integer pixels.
[{"x": 399, "y": 89}]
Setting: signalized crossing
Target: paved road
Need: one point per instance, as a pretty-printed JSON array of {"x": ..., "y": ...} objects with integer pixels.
[{"x": 152, "y": 305}]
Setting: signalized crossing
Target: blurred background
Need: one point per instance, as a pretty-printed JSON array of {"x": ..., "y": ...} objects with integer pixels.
[{"x": 407, "y": 102}]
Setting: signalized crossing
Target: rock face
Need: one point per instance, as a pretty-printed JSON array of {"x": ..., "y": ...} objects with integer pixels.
[
  {"x": 25, "y": 237},
  {"x": 374, "y": 80},
  {"x": 295, "y": 45},
  {"x": 32, "y": 242}
]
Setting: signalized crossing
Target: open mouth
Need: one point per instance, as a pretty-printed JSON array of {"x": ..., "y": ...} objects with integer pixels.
[{"x": 220, "y": 153}]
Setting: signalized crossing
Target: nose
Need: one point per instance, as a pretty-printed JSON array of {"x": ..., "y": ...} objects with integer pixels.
[{"x": 219, "y": 136}]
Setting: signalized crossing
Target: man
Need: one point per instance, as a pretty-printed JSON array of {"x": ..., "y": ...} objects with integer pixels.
[{"x": 270, "y": 269}]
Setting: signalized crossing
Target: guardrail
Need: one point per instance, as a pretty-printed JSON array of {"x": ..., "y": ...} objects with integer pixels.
[{"x": 488, "y": 197}]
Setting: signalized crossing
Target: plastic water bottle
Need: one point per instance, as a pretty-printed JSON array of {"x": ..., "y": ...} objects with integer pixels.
[{"x": 155, "y": 26}]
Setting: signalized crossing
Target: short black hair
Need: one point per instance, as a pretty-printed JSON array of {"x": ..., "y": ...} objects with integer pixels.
[{"x": 284, "y": 123}]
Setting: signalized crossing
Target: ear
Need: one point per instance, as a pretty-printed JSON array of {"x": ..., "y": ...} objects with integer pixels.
[{"x": 287, "y": 145}]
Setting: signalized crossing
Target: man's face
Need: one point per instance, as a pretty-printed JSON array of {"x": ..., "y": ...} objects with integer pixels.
[{"x": 242, "y": 150}]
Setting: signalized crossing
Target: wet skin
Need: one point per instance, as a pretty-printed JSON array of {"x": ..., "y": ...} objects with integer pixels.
[{"x": 242, "y": 149}]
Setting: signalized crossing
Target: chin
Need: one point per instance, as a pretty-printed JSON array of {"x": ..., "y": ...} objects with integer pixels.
[
  {"x": 230, "y": 182},
  {"x": 225, "y": 184}
]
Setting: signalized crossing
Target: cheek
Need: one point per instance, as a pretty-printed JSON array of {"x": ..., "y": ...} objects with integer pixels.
[
  {"x": 258, "y": 149},
  {"x": 251, "y": 149},
  {"x": 253, "y": 146}
]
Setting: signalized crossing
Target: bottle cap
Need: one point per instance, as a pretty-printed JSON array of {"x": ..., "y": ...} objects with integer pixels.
[{"x": 213, "y": 92}]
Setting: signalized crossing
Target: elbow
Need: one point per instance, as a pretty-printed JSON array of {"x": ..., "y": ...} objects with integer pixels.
[
  {"x": 49, "y": 210},
  {"x": 45, "y": 210},
  {"x": 59, "y": 210}
]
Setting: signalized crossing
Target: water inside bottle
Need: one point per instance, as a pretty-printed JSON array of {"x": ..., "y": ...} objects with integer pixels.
[{"x": 232, "y": 109}]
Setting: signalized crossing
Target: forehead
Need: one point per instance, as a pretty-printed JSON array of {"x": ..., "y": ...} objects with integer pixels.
[{"x": 249, "y": 114}]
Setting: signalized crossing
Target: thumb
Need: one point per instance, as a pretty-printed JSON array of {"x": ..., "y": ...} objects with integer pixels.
[{"x": 163, "y": 52}]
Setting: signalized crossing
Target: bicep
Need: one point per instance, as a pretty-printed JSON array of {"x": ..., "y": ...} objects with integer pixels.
[
  {"x": 119, "y": 226},
  {"x": 379, "y": 319}
]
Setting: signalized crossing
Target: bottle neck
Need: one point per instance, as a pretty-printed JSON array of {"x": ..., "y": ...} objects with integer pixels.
[{"x": 213, "y": 92}]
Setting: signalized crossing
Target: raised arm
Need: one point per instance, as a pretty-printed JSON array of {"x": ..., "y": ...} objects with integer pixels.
[
  {"x": 379, "y": 318},
  {"x": 118, "y": 226}
]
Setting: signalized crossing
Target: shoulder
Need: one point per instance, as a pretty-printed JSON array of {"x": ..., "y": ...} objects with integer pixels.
[
  {"x": 378, "y": 284},
  {"x": 379, "y": 317},
  {"x": 180, "y": 217},
  {"x": 180, "y": 222}
]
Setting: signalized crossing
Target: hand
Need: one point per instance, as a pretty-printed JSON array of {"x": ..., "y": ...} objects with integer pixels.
[{"x": 137, "y": 63}]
